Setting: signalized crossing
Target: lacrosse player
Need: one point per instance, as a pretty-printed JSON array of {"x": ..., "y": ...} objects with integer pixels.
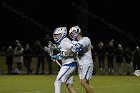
[
  {"x": 68, "y": 64},
  {"x": 85, "y": 62}
]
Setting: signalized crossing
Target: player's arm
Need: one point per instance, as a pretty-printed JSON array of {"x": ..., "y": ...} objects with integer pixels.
[{"x": 85, "y": 42}]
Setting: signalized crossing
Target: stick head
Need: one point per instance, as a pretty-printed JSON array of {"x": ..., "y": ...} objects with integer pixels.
[{"x": 137, "y": 72}]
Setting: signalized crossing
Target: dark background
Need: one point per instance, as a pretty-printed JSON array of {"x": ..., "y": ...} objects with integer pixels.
[{"x": 100, "y": 20}]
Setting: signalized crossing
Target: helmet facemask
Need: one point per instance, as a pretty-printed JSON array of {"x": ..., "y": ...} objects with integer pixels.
[
  {"x": 74, "y": 32},
  {"x": 56, "y": 37},
  {"x": 59, "y": 34},
  {"x": 73, "y": 35}
]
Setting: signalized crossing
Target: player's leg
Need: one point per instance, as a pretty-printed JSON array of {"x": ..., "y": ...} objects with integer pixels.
[
  {"x": 57, "y": 85},
  {"x": 68, "y": 79},
  {"x": 63, "y": 76},
  {"x": 58, "y": 80},
  {"x": 71, "y": 88},
  {"x": 85, "y": 74},
  {"x": 70, "y": 85},
  {"x": 86, "y": 86}
]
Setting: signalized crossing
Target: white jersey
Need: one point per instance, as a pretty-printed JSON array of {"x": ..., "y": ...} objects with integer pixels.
[
  {"x": 18, "y": 55},
  {"x": 63, "y": 46},
  {"x": 87, "y": 55}
]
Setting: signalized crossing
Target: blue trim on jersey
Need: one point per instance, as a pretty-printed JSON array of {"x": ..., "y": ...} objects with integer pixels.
[
  {"x": 64, "y": 73},
  {"x": 87, "y": 72},
  {"x": 73, "y": 64}
]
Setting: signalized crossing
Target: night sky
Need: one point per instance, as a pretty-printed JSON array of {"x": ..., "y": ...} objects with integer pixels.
[{"x": 100, "y": 20}]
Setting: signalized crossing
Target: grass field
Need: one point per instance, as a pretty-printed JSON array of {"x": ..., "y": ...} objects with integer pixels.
[{"x": 45, "y": 84}]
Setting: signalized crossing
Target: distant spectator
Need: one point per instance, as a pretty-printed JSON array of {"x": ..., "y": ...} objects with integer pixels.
[
  {"x": 101, "y": 56},
  {"x": 18, "y": 54},
  {"x": 128, "y": 60},
  {"x": 110, "y": 56},
  {"x": 40, "y": 57},
  {"x": 47, "y": 39},
  {"x": 16, "y": 42},
  {"x": 27, "y": 58},
  {"x": 94, "y": 59},
  {"x": 136, "y": 59},
  {"x": 9, "y": 59},
  {"x": 119, "y": 58},
  {"x": 93, "y": 53}
]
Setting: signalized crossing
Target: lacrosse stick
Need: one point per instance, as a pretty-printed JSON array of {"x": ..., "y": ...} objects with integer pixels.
[{"x": 49, "y": 50}]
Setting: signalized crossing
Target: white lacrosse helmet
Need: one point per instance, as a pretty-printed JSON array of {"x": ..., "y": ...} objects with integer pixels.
[
  {"x": 74, "y": 32},
  {"x": 59, "y": 34}
]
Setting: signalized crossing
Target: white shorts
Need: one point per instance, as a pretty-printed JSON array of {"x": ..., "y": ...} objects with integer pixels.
[
  {"x": 85, "y": 71},
  {"x": 65, "y": 74}
]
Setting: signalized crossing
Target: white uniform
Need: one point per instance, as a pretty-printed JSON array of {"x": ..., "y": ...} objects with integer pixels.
[
  {"x": 68, "y": 66},
  {"x": 85, "y": 63}
]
